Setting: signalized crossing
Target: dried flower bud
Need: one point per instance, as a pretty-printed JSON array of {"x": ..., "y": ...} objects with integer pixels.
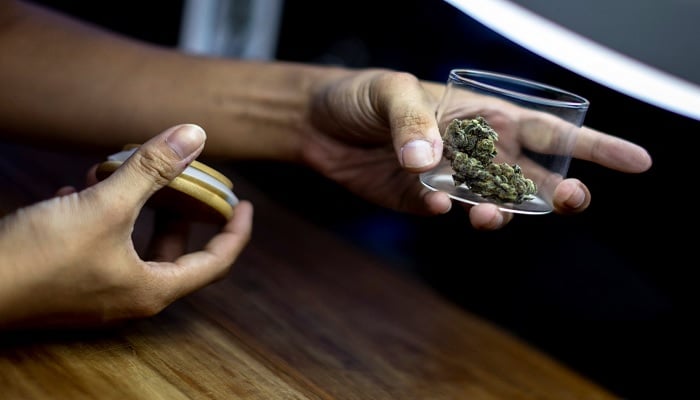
[{"x": 470, "y": 145}]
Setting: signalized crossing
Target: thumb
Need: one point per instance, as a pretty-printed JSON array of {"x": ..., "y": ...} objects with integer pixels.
[
  {"x": 157, "y": 162},
  {"x": 415, "y": 132}
]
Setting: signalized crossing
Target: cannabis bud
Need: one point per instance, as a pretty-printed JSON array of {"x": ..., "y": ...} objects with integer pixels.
[{"x": 470, "y": 145}]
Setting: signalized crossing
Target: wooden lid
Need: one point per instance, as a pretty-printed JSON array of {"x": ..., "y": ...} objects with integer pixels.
[{"x": 200, "y": 193}]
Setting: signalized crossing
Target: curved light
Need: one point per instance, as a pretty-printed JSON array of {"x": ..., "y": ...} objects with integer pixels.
[{"x": 584, "y": 56}]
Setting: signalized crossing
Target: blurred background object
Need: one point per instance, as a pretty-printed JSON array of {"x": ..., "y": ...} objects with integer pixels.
[
  {"x": 231, "y": 28},
  {"x": 615, "y": 299},
  {"x": 651, "y": 56}
]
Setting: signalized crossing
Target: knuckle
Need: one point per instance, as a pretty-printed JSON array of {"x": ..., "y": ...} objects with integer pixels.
[
  {"x": 154, "y": 165},
  {"x": 399, "y": 79},
  {"x": 413, "y": 118},
  {"x": 407, "y": 111}
]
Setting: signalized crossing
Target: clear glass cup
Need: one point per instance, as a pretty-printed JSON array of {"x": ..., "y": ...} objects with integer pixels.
[{"x": 519, "y": 166}]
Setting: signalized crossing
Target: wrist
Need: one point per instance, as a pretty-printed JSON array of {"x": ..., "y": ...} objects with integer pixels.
[{"x": 263, "y": 111}]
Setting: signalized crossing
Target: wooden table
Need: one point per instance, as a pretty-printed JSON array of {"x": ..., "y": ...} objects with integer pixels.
[{"x": 303, "y": 315}]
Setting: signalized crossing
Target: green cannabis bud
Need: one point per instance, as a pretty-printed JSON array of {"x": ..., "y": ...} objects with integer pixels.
[{"x": 470, "y": 145}]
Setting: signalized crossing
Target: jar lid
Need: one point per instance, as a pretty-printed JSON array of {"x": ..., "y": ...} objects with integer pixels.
[{"x": 200, "y": 192}]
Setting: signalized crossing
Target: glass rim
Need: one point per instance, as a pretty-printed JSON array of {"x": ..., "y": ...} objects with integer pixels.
[{"x": 472, "y": 76}]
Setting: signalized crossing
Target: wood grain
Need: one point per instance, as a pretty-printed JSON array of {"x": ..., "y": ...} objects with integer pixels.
[{"x": 303, "y": 315}]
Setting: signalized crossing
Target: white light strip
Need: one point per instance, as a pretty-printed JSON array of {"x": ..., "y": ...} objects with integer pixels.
[{"x": 585, "y": 57}]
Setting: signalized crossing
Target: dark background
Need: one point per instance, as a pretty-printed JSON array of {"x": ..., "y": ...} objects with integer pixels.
[{"x": 610, "y": 292}]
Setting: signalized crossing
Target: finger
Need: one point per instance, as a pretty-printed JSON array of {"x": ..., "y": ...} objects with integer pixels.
[
  {"x": 91, "y": 176},
  {"x": 437, "y": 202},
  {"x": 611, "y": 152},
  {"x": 487, "y": 217},
  {"x": 198, "y": 269},
  {"x": 169, "y": 239},
  {"x": 155, "y": 164},
  {"x": 571, "y": 196},
  {"x": 419, "y": 200},
  {"x": 411, "y": 113},
  {"x": 65, "y": 190}
]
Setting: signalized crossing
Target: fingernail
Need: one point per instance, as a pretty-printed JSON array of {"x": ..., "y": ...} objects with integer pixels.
[
  {"x": 417, "y": 154},
  {"x": 577, "y": 198},
  {"x": 447, "y": 208},
  {"x": 186, "y": 139}
]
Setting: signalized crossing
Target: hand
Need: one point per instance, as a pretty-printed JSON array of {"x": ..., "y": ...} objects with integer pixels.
[
  {"x": 366, "y": 121},
  {"x": 70, "y": 260}
]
